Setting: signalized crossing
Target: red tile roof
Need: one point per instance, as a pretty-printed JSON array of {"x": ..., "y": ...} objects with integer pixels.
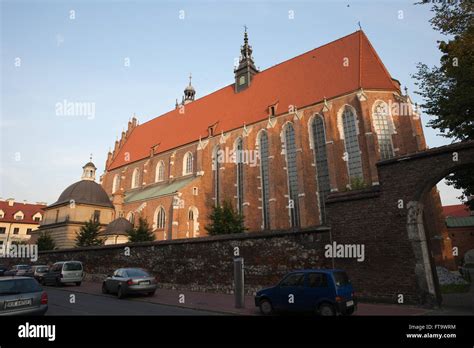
[
  {"x": 28, "y": 210},
  {"x": 301, "y": 81},
  {"x": 458, "y": 210}
]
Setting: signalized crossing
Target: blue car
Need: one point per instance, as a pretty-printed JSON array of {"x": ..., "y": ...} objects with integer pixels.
[{"x": 321, "y": 291}]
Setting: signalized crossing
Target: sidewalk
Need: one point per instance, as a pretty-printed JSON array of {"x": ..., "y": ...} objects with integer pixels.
[{"x": 224, "y": 303}]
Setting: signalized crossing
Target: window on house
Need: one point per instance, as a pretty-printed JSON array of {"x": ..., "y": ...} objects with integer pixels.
[
  {"x": 57, "y": 215},
  {"x": 195, "y": 191},
  {"x": 160, "y": 218},
  {"x": 188, "y": 163},
  {"x": 160, "y": 171},
  {"x": 29, "y": 230},
  {"x": 2, "y": 214},
  {"x": 116, "y": 183},
  {"x": 239, "y": 174},
  {"x": 264, "y": 178},
  {"x": 190, "y": 214},
  {"x": 37, "y": 218},
  {"x": 216, "y": 174},
  {"x": 3, "y": 230},
  {"x": 16, "y": 230},
  {"x": 351, "y": 143},
  {"x": 96, "y": 217},
  {"x": 380, "y": 119},
  {"x": 292, "y": 174},
  {"x": 322, "y": 168},
  {"x": 19, "y": 216}
]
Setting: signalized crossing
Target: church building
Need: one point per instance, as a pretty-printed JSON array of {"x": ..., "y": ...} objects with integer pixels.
[{"x": 275, "y": 143}]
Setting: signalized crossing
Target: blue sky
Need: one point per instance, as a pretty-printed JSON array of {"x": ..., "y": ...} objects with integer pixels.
[{"x": 48, "y": 57}]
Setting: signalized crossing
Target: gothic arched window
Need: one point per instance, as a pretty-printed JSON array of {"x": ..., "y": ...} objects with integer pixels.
[
  {"x": 320, "y": 155},
  {"x": 292, "y": 174},
  {"x": 188, "y": 163},
  {"x": 351, "y": 143},
  {"x": 160, "y": 218},
  {"x": 136, "y": 178},
  {"x": 239, "y": 173},
  {"x": 160, "y": 171},
  {"x": 264, "y": 178},
  {"x": 216, "y": 173},
  {"x": 381, "y": 121},
  {"x": 116, "y": 183}
]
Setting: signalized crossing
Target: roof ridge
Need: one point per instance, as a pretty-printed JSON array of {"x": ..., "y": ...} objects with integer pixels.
[{"x": 260, "y": 72}]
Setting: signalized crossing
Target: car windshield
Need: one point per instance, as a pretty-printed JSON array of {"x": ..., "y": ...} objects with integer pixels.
[
  {"x": 341, "y": 278},
  {"x": 137, "y": 273},
  {"x": 42, "y": 269},
  {"x": 72, "y": 266},
  {"x": 19, "y": 286}
]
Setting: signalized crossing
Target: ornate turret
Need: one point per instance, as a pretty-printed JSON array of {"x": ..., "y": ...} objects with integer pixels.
[
  {"x": 246, "y": 69},
  {"x": 189, "y": 92},
  {"x": 88, "y": 172}
]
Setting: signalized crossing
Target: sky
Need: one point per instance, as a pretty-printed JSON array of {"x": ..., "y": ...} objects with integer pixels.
[{"x": 125, "y": 58}]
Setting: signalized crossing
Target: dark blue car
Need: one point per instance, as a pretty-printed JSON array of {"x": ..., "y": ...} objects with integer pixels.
[{"x": 322, "y": 291}]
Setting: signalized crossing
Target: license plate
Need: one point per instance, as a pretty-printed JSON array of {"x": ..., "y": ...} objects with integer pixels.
[
  {"x": 18, "y": 303},
  {"x": 146, "y": 282},
  {"x": 349, "y": 303}
]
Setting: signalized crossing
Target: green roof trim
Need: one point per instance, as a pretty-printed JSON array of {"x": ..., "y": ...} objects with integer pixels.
[
  {"x": 157, "y": 190},
  {"x": 452, "y": 221}
]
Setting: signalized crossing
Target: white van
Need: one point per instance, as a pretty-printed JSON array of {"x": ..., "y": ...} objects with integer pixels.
[{"x": 64, "y": 272}]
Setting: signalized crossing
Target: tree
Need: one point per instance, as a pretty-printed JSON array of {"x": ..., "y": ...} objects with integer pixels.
[
  {"x": 225, "y": 220},
  {"x": 89, "y": 235},
  {"x": 448, "y": 90},
  {"x": 141, "y": 233},
  {"x": 45, "y": 242}
]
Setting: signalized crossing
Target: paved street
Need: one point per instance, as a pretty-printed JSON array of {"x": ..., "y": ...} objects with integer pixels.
[
  {"x": 90, "y": 300},
  {"x": 92, "y": 304}
]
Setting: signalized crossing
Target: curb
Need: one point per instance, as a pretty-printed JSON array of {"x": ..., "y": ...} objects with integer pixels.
[{"x": 152, "y": 302}]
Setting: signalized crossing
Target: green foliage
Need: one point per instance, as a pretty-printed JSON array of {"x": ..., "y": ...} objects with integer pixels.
[
  {"x": 89, "y": 235},
  {"x": 225, "y": 220},
  {"x": 357, "y": 183},
  {"x": 45, "y": 242},
  {"x": 448, "y": 90},
  {"x": 141, "y": 233}
]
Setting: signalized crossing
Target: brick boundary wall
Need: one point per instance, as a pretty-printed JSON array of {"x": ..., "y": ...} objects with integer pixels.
[{"x": 204, "y": 264}]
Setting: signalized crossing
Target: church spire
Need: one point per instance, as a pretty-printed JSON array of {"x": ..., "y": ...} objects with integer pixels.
[
  {"x": 189, "y": 92},
  {"x": 246, "y": 69}
]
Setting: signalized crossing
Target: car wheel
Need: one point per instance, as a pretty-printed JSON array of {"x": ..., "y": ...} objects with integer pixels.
[
  {"x": 350, "y": 311},
  {"x": 120, "y": 293},
  {"x": 326, "y": 310},
  {"x": 78, "y": 283},
  {"x": 266, "y": 307},
  {"x": 104, "y": 289}
]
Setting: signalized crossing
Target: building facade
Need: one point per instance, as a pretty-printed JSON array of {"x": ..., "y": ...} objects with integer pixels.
[
  {"x": 275, "y": 143},
  {"x": 18, "y": 221},
  {"x": 460, "y": 226},
  {"x": 80, "y": 202}
]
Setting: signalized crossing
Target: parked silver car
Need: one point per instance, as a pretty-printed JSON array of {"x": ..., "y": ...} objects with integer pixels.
[
  {"x": 17, "y": 270},
  {"x": 126, "y": 281},
  {"x": 22, "y": 296},
  {"x": 37, "y": 272},
  {"x": 64, "y": 272}
]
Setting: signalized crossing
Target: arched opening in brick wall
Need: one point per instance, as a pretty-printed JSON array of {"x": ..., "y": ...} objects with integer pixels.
[
  {"x": 428, "y": 233},
  {"x": 392, "y": 221}
]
